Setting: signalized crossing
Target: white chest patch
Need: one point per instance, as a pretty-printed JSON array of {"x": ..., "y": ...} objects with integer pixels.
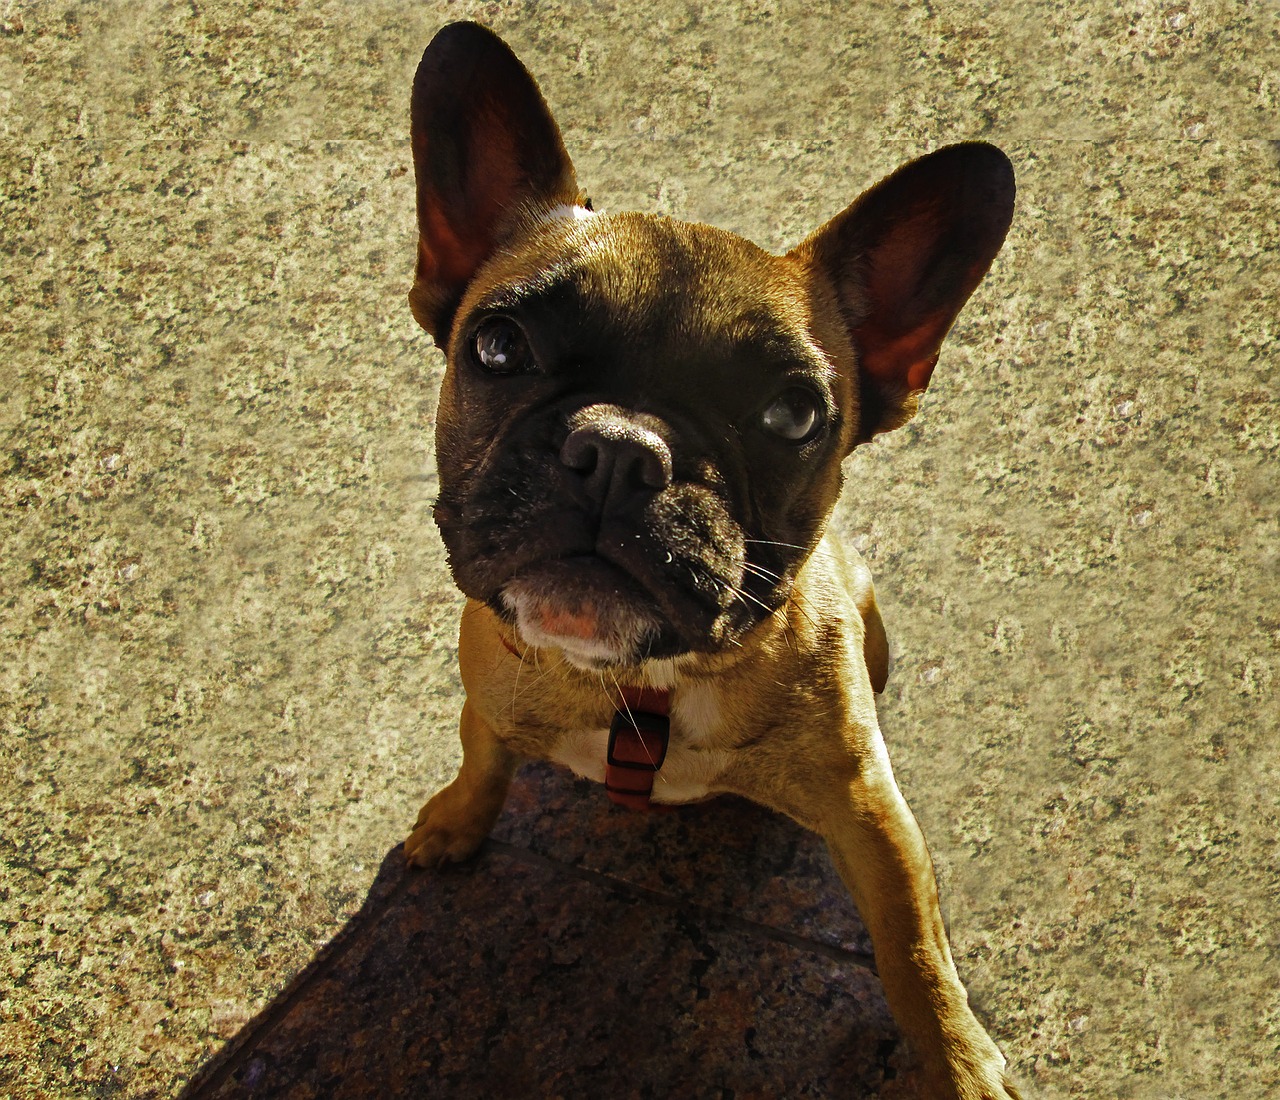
[
  {"x": 690, "y": 769},
  {"x": 696, "y": 710}
]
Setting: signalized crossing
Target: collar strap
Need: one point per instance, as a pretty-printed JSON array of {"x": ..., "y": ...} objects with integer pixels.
[{"x": 638, "y": 739}]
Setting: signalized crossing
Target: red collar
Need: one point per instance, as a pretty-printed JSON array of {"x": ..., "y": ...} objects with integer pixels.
[{"x": 638, "y": 738}]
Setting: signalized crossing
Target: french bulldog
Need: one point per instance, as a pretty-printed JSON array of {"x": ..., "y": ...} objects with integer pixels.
[{"x": 640, "y": 438}]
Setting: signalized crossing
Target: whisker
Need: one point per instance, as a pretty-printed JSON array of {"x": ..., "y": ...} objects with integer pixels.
[
  {"x": 774, "y": 542},
  {"x": 796, "y": 600},
  {"x": 760, "y": 571},
  {"x": 627, "y": 708},
  {"x": 792, "y": 599},
  {"x": 515, "y": 688},
  {"x": 743, "y": 595}
]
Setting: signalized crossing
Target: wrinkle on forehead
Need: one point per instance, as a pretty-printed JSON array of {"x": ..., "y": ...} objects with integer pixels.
[
  {"x": 696, "y": 281},
  {"x": 647, "y": 277}
]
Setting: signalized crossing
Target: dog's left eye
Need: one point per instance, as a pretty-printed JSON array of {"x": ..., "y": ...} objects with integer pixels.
[
  {"x": 795, "y": 415},
  {"x": 501, "y": 347}
]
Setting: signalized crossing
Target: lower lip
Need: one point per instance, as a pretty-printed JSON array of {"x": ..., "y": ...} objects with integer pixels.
[{"x": 568, "y": 624}]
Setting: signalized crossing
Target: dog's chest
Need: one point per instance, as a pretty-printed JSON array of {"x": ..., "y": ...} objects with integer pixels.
[{"x": 692, "y": 765}]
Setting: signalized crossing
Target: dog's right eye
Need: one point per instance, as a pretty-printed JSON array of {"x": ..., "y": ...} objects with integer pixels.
[
  {"x": 795, "y": 415},
  {"x": 501, "y": 347}
]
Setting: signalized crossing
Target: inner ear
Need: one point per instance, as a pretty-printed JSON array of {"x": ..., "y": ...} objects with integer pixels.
[
  {"x": 485, "y": 151},
  {"x": 903, "y": 260}
]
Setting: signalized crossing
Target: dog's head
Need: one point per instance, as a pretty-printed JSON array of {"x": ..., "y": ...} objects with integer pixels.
[{"x": 642, "y": 423}]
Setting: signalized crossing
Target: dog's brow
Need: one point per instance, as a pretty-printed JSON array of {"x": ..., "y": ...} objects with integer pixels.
[
  {"x": 543, "y": 289},
  {"x": 784, "y": 348},
  {"x": 760, "y": 332}
]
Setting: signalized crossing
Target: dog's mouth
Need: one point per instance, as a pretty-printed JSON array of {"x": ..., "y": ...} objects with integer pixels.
[
  {"x": 671, "y": 574},
  {"x": 591, "y": 610}
]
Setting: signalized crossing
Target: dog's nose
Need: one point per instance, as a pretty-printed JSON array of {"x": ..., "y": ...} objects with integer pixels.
[{"x": 620, "y": 460}]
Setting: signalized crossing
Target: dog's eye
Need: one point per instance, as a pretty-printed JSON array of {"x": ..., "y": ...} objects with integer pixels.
[
  {"x": 795, "y": 415},
  {"x": 501, "y": 347}
]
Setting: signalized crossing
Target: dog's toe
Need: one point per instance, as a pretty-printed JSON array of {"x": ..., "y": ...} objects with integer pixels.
[{"x": 431, "y": 844}]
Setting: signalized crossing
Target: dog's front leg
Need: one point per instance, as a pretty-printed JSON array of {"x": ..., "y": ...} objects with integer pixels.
[
  {"x": 881, "y": 855},
  {"x": 452, "y": 825}
]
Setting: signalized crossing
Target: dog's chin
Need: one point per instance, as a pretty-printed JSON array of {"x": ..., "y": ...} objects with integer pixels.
[{"x": 587, "y": 609}]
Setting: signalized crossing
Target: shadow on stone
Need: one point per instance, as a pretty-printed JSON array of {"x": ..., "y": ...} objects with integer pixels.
[{"x": 586, "y": 951}]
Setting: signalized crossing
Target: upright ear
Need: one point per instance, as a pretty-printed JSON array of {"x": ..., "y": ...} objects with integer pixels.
[
  {"x": 485, "y": 151},
  {"x": 903, "y": 259}
]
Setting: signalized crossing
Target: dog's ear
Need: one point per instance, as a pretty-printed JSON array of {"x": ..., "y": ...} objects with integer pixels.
[
  {"x": 903, "y": 259},
  {"x": 486, "y": 152}
]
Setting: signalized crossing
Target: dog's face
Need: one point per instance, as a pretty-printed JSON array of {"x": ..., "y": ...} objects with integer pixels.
[
  {"x": 642, "y": 423},
  {"x": 643, "y": 435}
]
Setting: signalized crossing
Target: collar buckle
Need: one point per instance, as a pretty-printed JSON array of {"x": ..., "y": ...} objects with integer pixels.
[{"x": 638, "y": 742}]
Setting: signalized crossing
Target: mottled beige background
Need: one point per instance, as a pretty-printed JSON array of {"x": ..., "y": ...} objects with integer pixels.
[{"x": 228, "y": 634}]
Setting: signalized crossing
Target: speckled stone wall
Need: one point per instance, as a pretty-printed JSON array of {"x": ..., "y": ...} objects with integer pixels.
[{"x": 229, "y": 636}]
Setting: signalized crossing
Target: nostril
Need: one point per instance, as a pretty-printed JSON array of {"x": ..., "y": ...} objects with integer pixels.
[
  {"x": 654, "y": 465},
  {"x": 581, "y": 451}
]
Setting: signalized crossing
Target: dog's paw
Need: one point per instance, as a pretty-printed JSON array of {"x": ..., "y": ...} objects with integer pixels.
[
  {"x": 979, "y": 1075},
  {"x": 1010, "y": 1089},
  {"x": 445, "y": 832},
  {"x": 991, "y": 1082}
]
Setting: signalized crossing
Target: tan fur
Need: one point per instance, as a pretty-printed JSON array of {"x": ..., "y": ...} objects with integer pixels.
[
  {"x": 798, "y": 733},
  {"x": 784, "y": 715}
]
